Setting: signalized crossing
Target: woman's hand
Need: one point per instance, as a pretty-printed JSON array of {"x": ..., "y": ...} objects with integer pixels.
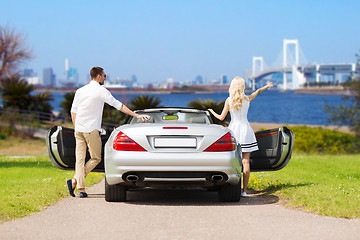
[
  {"x": 210, "y": 110},
  {"x": 269, "y": 85}
]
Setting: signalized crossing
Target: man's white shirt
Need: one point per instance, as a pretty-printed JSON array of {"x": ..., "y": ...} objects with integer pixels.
[{"x": 88, "y": 106}]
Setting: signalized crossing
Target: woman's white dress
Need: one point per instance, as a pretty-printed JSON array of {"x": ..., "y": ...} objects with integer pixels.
[{"x": 241, "y": 129}]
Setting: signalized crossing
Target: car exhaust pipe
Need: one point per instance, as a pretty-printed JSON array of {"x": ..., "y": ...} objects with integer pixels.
[
  {"x": 217, "y": 178},
  {"x": 132, "y": 178}
]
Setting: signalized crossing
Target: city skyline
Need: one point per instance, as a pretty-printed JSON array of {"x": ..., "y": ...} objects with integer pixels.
[
  {"x": 158, "y": 40},
  {"x": 70, "y": 78}
]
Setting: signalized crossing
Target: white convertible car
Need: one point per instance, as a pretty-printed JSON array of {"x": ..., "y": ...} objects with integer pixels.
[{"x": 177, "y": 147}]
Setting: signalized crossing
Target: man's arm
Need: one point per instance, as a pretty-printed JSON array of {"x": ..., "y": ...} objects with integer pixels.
[
  {"x": 73, "y": 118},
  {"x": 109, "y": 99},
  {"x": 127, "y": 111},
  {"x": 74, "y": 107}
]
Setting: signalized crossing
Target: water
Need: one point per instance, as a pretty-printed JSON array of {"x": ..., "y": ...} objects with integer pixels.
[{"x": 268, "y": 107}]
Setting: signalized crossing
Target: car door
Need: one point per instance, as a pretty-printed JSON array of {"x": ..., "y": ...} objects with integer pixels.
[
  {"x": 60, "y": 142},
  {"x": 275, "y": 149}
]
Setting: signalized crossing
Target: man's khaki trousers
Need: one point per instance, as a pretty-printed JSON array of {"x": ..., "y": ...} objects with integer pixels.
[{"x": 91, "y": 140}]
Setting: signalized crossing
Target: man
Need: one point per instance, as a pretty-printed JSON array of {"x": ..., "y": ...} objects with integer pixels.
[{"x": 86, "y": 114}]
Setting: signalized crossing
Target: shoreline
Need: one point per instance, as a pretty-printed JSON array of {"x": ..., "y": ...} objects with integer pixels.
[
  {"x": 210, "y": 89},
  {"x": 338, "y": 91},
  {"x": 256, "y": 126},
  {"x": 305, "y": 91}
]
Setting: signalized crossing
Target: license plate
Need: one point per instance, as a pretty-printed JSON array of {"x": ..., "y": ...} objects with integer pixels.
[{"x": 175, "y": 142}]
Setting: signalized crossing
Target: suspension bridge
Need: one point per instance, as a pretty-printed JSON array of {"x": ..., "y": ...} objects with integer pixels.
[{"x": 294, "y": 72}]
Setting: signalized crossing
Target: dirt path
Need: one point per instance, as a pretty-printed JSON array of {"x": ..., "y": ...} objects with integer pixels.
[{"x": 175, "y": 214}]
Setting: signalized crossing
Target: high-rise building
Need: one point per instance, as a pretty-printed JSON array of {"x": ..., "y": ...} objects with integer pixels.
[
  {"x": 67, "y": 65},
  {"x": 223, "y": 79},
  {"x": 71, "y": 74},
  {"x": 49, "y": 78},
  {"x": 199, "y": 80},
  {"x": 31, "y": 77},
  {"x": 134, "y": 79},
  {"x": 28, "y": 73}
]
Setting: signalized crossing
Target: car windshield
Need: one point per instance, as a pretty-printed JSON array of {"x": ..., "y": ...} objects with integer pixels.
[{"x": 173, "y": 117}]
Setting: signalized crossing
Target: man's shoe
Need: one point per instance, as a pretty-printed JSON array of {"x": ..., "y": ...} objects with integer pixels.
[
  {"x": 69, "y": 185},
  {"x": 83, "y": 195},
  {"x": 243, "y": 194}
]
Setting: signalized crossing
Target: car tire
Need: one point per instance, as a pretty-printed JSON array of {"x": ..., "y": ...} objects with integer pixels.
[
  {"x": 115, "y": 193},
  {"x": 230, "y": 193}
]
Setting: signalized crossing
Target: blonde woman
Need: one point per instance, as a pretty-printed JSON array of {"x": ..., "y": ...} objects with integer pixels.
[{"x": 238, "y": 103}]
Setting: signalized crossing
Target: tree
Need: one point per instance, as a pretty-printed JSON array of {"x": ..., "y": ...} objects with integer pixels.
[
  {"x": 348, "y": 114},
  {"x": 66, "y": 104},
  {"x": 40, "y": 102},
  {"x": 17, "y": 94},
  {"x": 143, "y": 102},
  {"x": 208, "y": 103},
  {"x": 12, "y": 51},
  {"x": 113, "y": 116}
]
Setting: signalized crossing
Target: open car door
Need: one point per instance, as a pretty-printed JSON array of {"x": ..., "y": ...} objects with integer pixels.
[
  {"x": 60, "y": 142},
  {"x": 275, "y": 149}
]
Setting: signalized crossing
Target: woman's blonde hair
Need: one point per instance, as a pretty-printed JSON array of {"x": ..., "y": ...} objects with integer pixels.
[{"x": 237, "y": 93}]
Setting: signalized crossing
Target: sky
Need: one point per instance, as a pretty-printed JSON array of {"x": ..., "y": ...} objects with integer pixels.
[{"x": 158, "y": 39}]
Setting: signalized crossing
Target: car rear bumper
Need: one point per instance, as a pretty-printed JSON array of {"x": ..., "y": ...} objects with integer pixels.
[{"x": 202, "y": 169}]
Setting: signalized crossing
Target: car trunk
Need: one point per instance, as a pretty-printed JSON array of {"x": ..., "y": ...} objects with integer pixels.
[{"x": 275, "y": 148}]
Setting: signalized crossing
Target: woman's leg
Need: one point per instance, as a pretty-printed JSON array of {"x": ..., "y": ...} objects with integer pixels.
[{"x": 246, "y": 169}]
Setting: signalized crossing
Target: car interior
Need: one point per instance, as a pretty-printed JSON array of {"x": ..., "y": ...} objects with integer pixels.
[{"x": 174, "y": 117}]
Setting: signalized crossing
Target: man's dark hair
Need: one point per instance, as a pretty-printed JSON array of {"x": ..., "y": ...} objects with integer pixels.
[{"x": 96, "y": 71}]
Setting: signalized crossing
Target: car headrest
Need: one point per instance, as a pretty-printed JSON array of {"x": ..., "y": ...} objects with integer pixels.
[
  {"x": 150, "y": 120},
  {"x": 197, "y": 120}
]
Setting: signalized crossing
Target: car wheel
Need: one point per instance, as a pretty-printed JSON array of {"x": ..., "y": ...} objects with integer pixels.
[
  {"x": 230, "y": 193},
  {"x": 115, "y": 193}
]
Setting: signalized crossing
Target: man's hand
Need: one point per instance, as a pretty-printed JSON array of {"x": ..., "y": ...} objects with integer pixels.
[{"x": 143, "y": 117}]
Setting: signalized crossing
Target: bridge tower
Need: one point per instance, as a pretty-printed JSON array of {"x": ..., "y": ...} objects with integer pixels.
[
  {"x": 254, "y": 65},
  {"x": 285, "y": 57},
  {"x": 285, "y": 48}
]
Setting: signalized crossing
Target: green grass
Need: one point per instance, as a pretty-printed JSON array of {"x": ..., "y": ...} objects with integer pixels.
[
  {"x": 30, "y": 184},
  {"x": 324, "y": 184}
]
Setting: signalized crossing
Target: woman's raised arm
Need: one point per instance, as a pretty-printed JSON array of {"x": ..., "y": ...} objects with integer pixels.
[{"x": 260, "y": 90}]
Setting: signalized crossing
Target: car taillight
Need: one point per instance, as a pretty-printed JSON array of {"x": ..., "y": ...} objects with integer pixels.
[
  {"x": 123, "y": 143},
  {"x": 225, "y": 143}
]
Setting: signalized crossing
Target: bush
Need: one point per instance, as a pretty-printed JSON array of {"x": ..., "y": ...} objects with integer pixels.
[
  {"x": 2, "y": 136},
  {"x": 320, "y": 140},
  {"x": 13, "y": 123}
]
